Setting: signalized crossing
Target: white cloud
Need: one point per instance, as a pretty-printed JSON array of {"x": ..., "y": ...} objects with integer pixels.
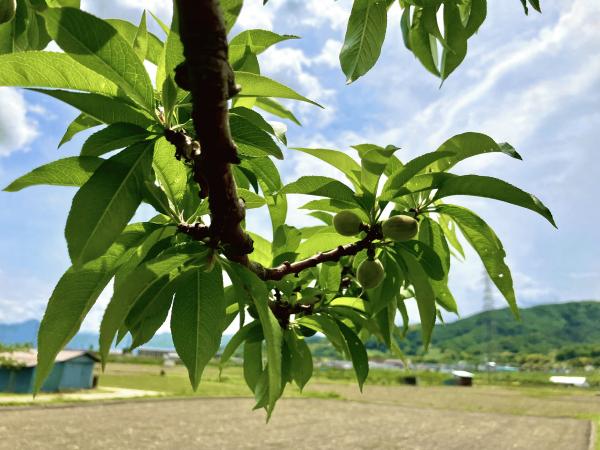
[
  {"x": 329, "y": 56},
  {"x": 17, "y": 128}
]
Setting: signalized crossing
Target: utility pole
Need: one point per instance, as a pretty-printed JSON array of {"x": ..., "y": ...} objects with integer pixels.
[{"x": 488, "y": 307}]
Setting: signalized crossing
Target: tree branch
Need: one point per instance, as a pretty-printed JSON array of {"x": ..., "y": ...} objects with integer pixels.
[{"x": 206, "y": 73}]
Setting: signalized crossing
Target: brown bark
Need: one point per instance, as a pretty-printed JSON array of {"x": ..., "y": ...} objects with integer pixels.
[{"x": 206, "y": 73}]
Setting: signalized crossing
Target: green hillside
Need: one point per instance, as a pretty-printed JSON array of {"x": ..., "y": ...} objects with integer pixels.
[{"x": 565, "y": 330}]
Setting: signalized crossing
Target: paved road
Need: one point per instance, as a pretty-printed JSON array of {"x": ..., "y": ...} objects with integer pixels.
[{"x": 296, "y": 423}]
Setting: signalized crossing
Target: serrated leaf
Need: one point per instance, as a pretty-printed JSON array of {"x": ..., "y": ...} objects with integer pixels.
[
  {"x": 52, "y": 70},
  {"x": 104, "y": 205},
  {"x": 432, "y": 234},
  {"x": 231, "y": 10},
  {"x": 271, "y": 331},
  {"x": 256, "y": 41},
  {"x": 403, "y": 175},
  {"x": 489, "y": 187},
  {"x": 104, "y": 109},
  {"x": 321, "y": 242},
  {"x": 301, "y": 363},
  {"x": 364, "y": 38},
  {"x": 114, "y": 137},
  {"x": 322, "y": 187},
  {"x": 254, "y": 85},
  {"x": 337, "y": 159},
  {"x": 466, "y": 145},
  {"x": 251, "y": 200},
  {"x": 76, "y": 293},
  {"x": 170, "y": 173},
  {"x": 97, "y": 45},
  {"x": 489, "y": 248},
  {"x": 129, "y": 31},
  {"x": 456, "y": 39},
  {"x": 250, "y": 139},
  {"x": 81, "y": 123},
  {"x": 247, "y": 331},
  {"x": 277, "y": 109},
  {"x": 142, "y": 280},
  {"x": 73, "y": 171},
  {"x": 197, "y": 317},
  {"x": 424, "y": 295}
]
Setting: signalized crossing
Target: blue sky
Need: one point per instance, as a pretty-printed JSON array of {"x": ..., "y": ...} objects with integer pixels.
[{"x": 532, "y": 81}]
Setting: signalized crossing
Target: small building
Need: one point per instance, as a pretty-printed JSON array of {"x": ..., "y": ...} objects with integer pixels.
[
  {"x": 463, "y": 378},
  {"x": 569, "y": 381},
  {"x": 73, "y": 370}
]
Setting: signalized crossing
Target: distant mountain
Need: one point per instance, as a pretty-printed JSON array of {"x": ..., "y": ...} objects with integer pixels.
[{"x": 541, "y": 329}]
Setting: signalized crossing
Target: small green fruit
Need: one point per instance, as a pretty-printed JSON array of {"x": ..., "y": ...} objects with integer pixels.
[
  {"x": 7, "y": 10},
  {"x": 400, "y": 228},
  {"x": 370, "y": 273},
  {"x": 347, "y": 223}
]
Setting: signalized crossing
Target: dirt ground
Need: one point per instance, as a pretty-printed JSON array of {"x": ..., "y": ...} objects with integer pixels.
[{"x": 296, "y": 423}]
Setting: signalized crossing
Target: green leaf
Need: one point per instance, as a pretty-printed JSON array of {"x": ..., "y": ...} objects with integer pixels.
[
  {"x": 140, "y": 41},
  {"x": 489, "y": 248},
  {"x": 301, "y": 358},
  {"x": 426, "y": 256},
  {"x": 104, "y": 205},
  {"x": 358, "y": 353},
  {"x": 52, "y": 70},
  {"x": 250, "y": 139},
  {"x": 101, "y": 108},
  {"x": 73, "y": 171},
  {"x": 114, "y": 137},
  {"x": 490, "y": 187},
  {"x": 262, "y": 250},
  {"x": 364, "y": 38},
  {"x": 349, "y": 302},
  {"x": 150, "y": 312},
  {"x": 322, "y": 241},
  {"x": 196, "y": 321},
  {"x": 231, "y": 10},
  {"x": 320, "y": 186},
  {"x": 244, "y": 333},
  {"x": 170, "y": 173},
  {"x": 422, "y": 43},
  {"x": 129, "y": 32},
  {"x": 81, "y": 123},
  {"x": 466, "y": 145},
  {"x": 254, "y": 85},
  {"x": 424, "y": 295},
  {"x": 404, "y": 174},
  {"x": 256, "y": 41},
  {"x": 456, "y": 39},
  {"x": 76, "y": 293},
  {"x": 142, "y": 280},
  {"x": 337, "y": 159},
  {"x": 97, "y": 45},
  {"x": 271, "y": 331},
  {"x": 335, "y": 206},
  {"x": 432, "y": 234},
  {"x": 277, "y": 109},
  {"x": 374, "y": 160},
  {"x": 329, "y": 328},
  {"x": 477, "y": 15},
  {"x": 251, "y": 200},
  {"x": 149, "y": 248}
]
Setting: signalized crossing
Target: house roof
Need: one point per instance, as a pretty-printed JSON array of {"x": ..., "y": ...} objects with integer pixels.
[{"x": 29, "y": 358}]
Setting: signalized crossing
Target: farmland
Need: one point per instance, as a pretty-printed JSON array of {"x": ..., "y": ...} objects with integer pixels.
[{"x": 523, "y": 413}]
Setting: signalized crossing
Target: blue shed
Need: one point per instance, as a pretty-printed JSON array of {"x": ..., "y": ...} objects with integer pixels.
[{"x": 73, "y": 370}]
